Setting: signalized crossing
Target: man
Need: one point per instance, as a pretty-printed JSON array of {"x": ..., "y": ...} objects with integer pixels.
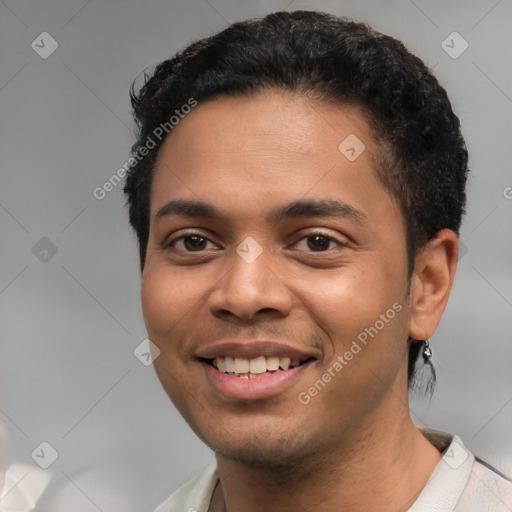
[{"x": 297, "y": 189}]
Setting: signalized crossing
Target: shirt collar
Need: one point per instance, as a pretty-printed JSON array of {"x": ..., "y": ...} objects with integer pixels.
[{"x": 449, "y": 478}]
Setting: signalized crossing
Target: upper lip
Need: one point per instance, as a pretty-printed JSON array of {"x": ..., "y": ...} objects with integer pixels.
[{"x": 252, "y": 349}]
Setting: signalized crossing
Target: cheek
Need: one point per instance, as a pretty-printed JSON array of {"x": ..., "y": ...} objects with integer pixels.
[
  {"x": 364, "y": 321},
  {"x": 156, "y": 301},
  {"x": 361, "y": 311},
  {"x": 344, "y": 301},
  {"x": 167, "y": 305},
  {"x": 165, "y": 300}
]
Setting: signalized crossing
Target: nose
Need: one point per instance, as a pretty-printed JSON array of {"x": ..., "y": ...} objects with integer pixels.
[{"x": 250, "y": 289}]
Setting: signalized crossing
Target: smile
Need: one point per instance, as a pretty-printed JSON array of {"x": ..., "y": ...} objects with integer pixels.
[
  {"x": 260, "y": 366},
  {"x": 244, "y": 383}
]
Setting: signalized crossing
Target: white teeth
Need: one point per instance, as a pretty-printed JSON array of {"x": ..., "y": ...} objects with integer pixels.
[
  {"x": 229, "y": 363},
  {"x": 220, "y": 363},
  {"x": 241, "y": 365},
  {"x": 284, "y": 363},
  {"x": 272, "y": 363},
  {"x": 258, "y": 365}
]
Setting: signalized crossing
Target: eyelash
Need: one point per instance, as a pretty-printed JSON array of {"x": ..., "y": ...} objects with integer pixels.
[{"x": 171, "y": 243}]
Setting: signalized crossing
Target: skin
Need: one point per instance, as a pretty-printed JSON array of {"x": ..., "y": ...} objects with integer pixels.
[{"x": 354, "y": 443}]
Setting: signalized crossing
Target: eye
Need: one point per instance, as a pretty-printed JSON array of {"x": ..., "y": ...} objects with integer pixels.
[
  {"x": 318, "y": 242},
  {"x": 191, "y": 242}
]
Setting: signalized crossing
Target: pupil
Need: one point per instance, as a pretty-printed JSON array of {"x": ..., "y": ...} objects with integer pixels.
[
  {"x": 318, "y": 242},
  {"x": 194, "y": 242}
]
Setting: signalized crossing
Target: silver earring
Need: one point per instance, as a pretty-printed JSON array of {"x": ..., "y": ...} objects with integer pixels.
[{"x": 427, "y": 352}]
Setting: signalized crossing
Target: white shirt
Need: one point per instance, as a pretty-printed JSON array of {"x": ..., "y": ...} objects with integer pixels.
[{"x": 460, "y": 482}]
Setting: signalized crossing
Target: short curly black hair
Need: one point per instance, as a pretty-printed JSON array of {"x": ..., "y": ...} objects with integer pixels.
[{"x": 423, "y": 157}]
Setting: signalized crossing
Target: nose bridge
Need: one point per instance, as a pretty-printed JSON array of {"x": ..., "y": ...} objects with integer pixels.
[{"x": 250, "y": 284}]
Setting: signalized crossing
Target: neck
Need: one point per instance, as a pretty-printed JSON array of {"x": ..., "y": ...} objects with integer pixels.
[{"x": 383, "y": 466}]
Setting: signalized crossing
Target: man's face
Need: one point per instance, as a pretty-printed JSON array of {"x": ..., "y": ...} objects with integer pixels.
[{"x": 251, "y": 277}]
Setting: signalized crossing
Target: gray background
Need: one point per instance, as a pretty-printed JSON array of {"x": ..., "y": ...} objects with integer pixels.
[{"x": 70, "y": 324}]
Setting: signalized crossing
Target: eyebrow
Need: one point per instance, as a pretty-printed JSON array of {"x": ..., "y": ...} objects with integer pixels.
[{"x": 299, "y": 208}]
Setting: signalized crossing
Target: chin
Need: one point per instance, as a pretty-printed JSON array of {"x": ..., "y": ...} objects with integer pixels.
[
  {"x": 260, "y": 458},
  {"x": 262, "y": 448}
]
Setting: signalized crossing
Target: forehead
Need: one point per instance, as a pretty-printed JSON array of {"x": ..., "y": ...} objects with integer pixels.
[
  {"x": 268, "y": 148},
  {"x": 274, "y": 123}
]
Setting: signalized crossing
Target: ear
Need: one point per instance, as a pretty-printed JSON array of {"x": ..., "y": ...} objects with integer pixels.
[{"x": 431, "y": 283}]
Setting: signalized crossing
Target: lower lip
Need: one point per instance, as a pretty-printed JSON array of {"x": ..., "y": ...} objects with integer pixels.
[{"x": 256, "y": 388}]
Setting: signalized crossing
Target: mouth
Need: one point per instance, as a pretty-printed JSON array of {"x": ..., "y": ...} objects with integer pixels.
[
  {"x": 258, "y": 378},
  {"x": 256, "y": 367}
]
